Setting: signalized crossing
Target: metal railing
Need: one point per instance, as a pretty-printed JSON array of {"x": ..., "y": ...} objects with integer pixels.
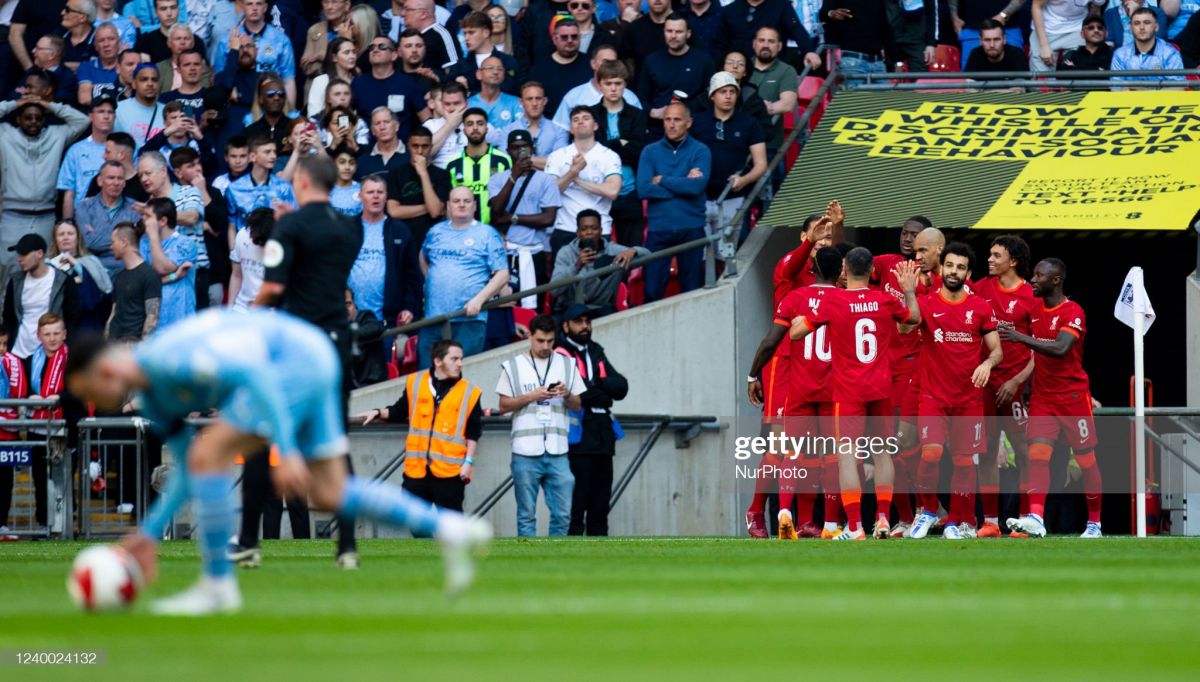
[
  {"x": 46, "y": 433},
  {"x": 708, "y": 241},
  {"x": 1177, "y": 416}
]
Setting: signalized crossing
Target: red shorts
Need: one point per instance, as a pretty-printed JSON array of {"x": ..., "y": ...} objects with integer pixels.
[
  {"x": 1011, "y": 417},
  {"x": 903, "y": 372},
  {"x": 853, "y": 420},
  {"x": 1068, "y": 415},
  {"x": 910, "y": 404},
  {"x": 775, "y": 388},
  {"x": 814, "y": 419},
  {"x": 960, "y": 427}
]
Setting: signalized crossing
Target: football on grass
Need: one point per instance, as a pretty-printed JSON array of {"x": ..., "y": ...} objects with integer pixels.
[{"x": 104, "y": 578}]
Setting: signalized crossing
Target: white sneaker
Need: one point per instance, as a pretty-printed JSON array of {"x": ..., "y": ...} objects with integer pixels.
[
  {"x": 207, "y": 597},
  {"x": 950, "y": 532},
  {"x": 1031, "y": 525},
  {"x": 462, "y": 538},
  {"x": 1092, "y": 531},
  {"x": 900, "y": 530},
  {"x": 921, "y": 525},
  {"x": 348, "y": 561},
  {"x": 125, "y": 508},
  {"x": 966, "y": 530},
  {"x": 5, "y": 530},
  {"x": 848, "y": 534}
]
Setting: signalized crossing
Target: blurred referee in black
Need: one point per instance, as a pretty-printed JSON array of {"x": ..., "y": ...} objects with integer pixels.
[{"x": 308, "y": 261}]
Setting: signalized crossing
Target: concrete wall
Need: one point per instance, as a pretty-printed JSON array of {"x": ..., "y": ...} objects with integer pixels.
[
  {"x": 687, "y": 355},
  {"x": 1192, "y": 304}
]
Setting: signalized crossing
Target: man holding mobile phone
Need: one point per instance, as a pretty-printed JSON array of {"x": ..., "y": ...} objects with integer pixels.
[{"x": 539, "y": 388}]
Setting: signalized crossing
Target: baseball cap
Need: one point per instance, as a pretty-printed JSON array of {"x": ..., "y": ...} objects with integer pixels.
[
  {"x": 520, "y": 136},
  {"x": 104, "y": 99},
  {"x": 29, "y": 243},
  {"x": 576, "y": 311},
  {"x": 720, "y": 80}
]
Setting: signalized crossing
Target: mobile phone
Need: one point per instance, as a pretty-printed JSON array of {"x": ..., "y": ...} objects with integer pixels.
[
  {"x": 554, "y": 385},
  {"x": 343, "y": 121},
  {"x": 525, "y": 153}
]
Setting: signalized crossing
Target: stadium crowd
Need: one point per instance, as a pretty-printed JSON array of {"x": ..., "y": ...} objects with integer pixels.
[{"x": 147, "y": 147}]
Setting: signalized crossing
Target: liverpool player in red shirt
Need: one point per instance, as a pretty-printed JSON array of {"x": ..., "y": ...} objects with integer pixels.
[
  {"x": 809, "y": 407},
  {"x": 1061, "y": 401},
  {"x": 1012, "y": 302},
  {"x": 862, "y": 326},
  {"x": 955, "y": 324}
]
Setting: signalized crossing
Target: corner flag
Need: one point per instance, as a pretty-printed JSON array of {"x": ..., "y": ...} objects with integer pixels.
[{"x": 1133, "y": 300}]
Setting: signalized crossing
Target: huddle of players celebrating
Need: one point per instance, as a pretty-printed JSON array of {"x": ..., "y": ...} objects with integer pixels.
[{"x": 861, "y": 342}]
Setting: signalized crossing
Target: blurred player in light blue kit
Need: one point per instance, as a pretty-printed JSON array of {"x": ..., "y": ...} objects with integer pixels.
[{"x": 274, "y": 379}]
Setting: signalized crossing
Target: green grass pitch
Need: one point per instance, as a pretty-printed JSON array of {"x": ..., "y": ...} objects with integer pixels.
[{"x": 645, "y": 609}]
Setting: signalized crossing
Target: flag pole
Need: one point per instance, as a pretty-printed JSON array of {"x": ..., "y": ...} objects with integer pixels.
[{"x": 1139, "y": 403}]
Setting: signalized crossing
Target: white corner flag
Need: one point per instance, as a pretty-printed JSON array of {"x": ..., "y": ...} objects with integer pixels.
[
  {"x": 1134, "y": 309},
  {"x": 1133, "y": 299}
]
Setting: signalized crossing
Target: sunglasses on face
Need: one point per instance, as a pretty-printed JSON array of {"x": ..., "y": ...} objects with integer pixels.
[
  {"x": 380, "y": 47},
  {"x": 568, "y": 38},
  {"x": 579, "y": 5},
  {"x": 274, "y": 93}
]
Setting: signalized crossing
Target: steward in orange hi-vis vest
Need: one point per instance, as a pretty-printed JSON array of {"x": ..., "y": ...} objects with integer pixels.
[{"x": 437, "y": 440}]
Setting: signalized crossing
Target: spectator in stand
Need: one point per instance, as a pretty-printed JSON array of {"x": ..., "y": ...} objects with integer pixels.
[
  {"x": 188, "y": 212},
  {"x": 623, "y": 130},
  {"x": 155, "y": 42},
  {"x": 612, "y": 31},
  {"x": 1178, "y": 13},
  {"x": 386, "y": 87},
  {"x": 37, "y": 83},
  {"x": 547, "y": 135},
  {"x": 98, "y": 215},
  {"x": 341, "y": 65},
  {"x": 736, "y": 141},
  {"x": 589, "y": 93},
  {"x": 535, "y": 38},
  {"x": 993, "y": 53},
  {"x": 239, "y": 76},
  {"x": 15, "y": 386},
  {"x": 194, "y": 77},
  {"x": 246, "y": 258},
  {"x": 273, "y": 49},
  {"x": 1118, "y": 15},
  {"x": 587, "y": 252},
  {"x": 477, "y": 163},
  {"x": 30, "y": 21},
  {"x": 675, "y": 68},
  {"x": 34, "y": 290},
  {"x": 524, "y": 202},
  {"x": 259, "y": 188},
  {"x": 465, "y": 265},
  {"x": 1189, "y": 42},
  {"x": 412, "y": 62},
  {"x": 441, "y": 50},
  {"x": 539, "y": 387},
  {"x": 418, "y": 191},
  {"x": 189, "y": 168},
  {"x": 1147, "y": 52},
  {"x": 355, "y": 133},
  {"x": 137, "y": 289},
  {"x": 584, "y": 14},
  {"x": 344, "y": 196},
  {"x": 371, "y": 365},
  {"x": 173, "y": 257},
  {"x": 271, "y": 115},
  {"x": 1054, "y": 30},
  {"x": 145, "y": 13},
  {"x": 48, "y": 57},
  {"x": 84, "y": 158},
  {"x": 588, "y": 175},
  {"x": 29, "y": 152},
  {"x": 591, "y": 458},
  {"x": 777, "y": 85},
  {"x": 448, "y": 137},
  {"x": 742, "y": 20},
  {"x": 237, "y": 163},
  {"x": 969, "y": 16},
  {"x": 389, "y": 151},
  {"x": 45, "y": 371},
  {"x": 386, "y": 277},
  {"x": 98, "y": 75},
  {"x": 477, "y": 29},
  {"x": 93, "y": 285},
  {"x": 565, "y": 68},
  {"x": 912, "y": 37},
  {"x": 364, "y": 26},
  {"x": 735, "y": 63},
  {"x": 860, "y": 28},
  {"x": 118, "y": 148},
  {"x": 170, "y": 69},
  {"x": 179, "y": 131},
  {"x": 106, "y": 13},
  {"x": 672, "y": 176},
  {"x": 644, "y": 37},
  {"x": 704, "y": 21},
  {"x": 79, "y": 17},
  {"x": 141, "y": 116},
  {"x": 1094, "y": 54},
  {"x": 322, "y": 35},
  {"x": 500, "y": 107}
]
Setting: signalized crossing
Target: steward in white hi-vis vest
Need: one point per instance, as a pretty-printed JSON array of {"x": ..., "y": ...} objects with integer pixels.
[{"x": 540, "y": 427}]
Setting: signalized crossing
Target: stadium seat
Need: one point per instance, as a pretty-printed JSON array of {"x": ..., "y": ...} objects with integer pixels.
[
  {"x": 946, "y": 59},
  {"x": 523, "y": 316},
  {"x": 408, "y": 364}
]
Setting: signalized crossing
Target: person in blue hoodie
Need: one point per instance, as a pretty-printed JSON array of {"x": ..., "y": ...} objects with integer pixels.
[{"x": 672, "y": 175}]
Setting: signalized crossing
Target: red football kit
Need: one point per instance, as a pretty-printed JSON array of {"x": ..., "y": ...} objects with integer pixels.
[
  {"x": 794, "y": 270},
  {"x": 906, "y": 354},
  {"x": 862, "y": 329},
  {"x": 1061, "y": 401},
  {"x": 953, "y": 334},
  {"x": 808, "y": 362},
  {"x": 1013, "y": 309}
]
